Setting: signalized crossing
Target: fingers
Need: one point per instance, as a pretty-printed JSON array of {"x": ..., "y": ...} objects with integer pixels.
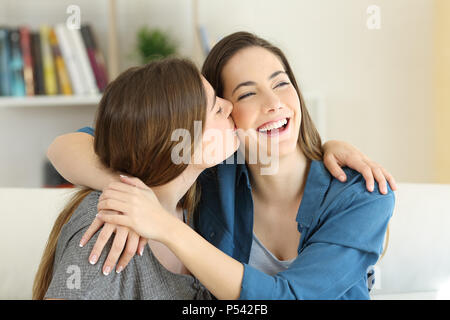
[
  {"x": 116, "y": 195},
  {"x": 114, "y": 205},
  {"x": 133, "y": 182},
  {"x": 102, "y": 239},
  {"x": 123, "y": 187},
  {"x": 129, "y": 252},
  {"x": 93, "y": 228},
  {"x": 115, "y": 219},
  {"x": 334, "y": 168},
  {"x": 379, "y": 177},
  {"x": 372, "y": 172},
  {"x": 142, "y": 244},
  {"x": 362, "y": 167},
  {"x": 390, "y": 179},
  {"x": 119, "y": 242}
]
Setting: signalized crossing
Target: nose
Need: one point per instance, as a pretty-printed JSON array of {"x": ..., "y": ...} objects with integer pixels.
[
  {"x": 227, "y": 107},
  {"x": 271, "y": 102}
]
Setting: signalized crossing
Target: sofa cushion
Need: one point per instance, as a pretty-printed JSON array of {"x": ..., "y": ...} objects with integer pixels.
[{"x": 27, "y": 217}]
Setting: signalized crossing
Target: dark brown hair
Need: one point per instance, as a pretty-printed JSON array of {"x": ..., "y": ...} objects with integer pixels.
[
  {"x": 135, "y": 119},
  {"x": 309, "y": 138}
]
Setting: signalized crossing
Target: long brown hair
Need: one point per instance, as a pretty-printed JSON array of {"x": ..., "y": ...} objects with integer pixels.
[
  {"x": 135, "y": 119},
  {"x": 309, "y": 138}
]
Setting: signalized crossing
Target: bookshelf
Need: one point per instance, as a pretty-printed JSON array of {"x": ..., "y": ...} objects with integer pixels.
[
  {"x": 71, "y": 60},
  {"x": 29, "y": 124},
  {"x": 49, "y": 101}
]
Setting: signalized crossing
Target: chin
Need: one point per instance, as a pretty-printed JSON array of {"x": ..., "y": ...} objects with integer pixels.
[{"x": 285, "y": 149}]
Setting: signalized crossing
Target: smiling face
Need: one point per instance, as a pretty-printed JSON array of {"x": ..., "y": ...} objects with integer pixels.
[{"x": 264, "y": 99}]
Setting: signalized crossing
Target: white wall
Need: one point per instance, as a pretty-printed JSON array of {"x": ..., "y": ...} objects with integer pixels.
[
  {"x": 25, "y": 134},
  {"x": 377, "y": 83}
]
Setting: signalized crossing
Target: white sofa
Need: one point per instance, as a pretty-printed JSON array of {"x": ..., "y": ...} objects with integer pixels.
[{"x": 416, "y": 265}]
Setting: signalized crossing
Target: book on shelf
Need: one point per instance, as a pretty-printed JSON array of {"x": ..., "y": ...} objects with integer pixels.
[
  {"x": 53, "y": 60},
  {"x": 51, "y": 87},
  {"x": 25, "y": 43},
  {"x": 95, "y": 57},
  {"x": 4, "y": 62},
  {"x": 61, "y": 71},
  {"x": 17, "y": 85},
  {"x": 36, "y": 60},
  {"x": 89, "y": 85}
]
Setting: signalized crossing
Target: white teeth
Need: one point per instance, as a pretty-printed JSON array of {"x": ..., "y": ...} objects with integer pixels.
[{"x": 273, "y": 125}]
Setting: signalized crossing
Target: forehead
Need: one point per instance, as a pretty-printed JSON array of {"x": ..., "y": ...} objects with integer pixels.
[{"x": 250, "y": 64}]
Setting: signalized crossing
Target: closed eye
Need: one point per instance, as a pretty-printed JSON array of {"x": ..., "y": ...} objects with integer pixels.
[
  {"x": 246, "y": 95},
  {"x": 281, "y": 84}
]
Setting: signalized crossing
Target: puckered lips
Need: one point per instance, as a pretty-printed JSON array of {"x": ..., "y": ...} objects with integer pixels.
[{"x": 275, "y": 127}]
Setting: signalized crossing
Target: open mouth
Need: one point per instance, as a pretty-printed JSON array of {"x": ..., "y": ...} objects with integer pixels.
[{"x": 274, "y": 127}]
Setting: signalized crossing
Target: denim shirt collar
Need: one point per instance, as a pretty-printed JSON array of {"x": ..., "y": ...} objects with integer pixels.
[{"x": 317, "y": 184}]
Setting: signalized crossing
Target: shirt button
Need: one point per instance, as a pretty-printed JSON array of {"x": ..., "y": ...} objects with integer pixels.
[{"x": 212, "y": 234}]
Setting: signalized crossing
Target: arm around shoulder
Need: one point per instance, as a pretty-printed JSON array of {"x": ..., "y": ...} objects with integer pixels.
[{"x": 74, "y": 158}]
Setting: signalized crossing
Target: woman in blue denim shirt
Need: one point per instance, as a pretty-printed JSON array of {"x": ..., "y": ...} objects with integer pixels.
[
  {"x": 294, "y": 233},
  {"x": 297, "y": 233}
]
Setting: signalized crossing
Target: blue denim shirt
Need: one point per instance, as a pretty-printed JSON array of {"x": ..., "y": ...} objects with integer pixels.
[{"x": 342, "y": 228}]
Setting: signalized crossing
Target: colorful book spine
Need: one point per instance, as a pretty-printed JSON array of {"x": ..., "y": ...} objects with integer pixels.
[
  {"x": 51, "y": 85},
  {"x": 16, "y": 65},
  {"x": 70, "y": 58},
  {"x": 50, "y": 61},
  {"x": 4, "y": 63},
  {"x": 63, "y": 77},
  {"x": 38, "y": 75},
  {"x": 25, "y": 43},
  {"x": 95, "y": 57},
  {"x": 83, "y": 60}
]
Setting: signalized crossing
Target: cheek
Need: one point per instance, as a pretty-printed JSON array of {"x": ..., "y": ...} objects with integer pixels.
[
  {"x": 243, "y": 117},
  {"x": 215, "y": 132},
  {"x": 293, "y": 101},
  {"x": 218, "y": 142}
]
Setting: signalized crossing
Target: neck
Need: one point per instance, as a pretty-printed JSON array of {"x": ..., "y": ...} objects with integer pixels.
[
  {"x": 286, "y": 184},
  {"x": 170, "y": 194}
]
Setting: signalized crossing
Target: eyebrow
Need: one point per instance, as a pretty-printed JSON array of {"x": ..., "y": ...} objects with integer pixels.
[{"x": 252, "y": 83}]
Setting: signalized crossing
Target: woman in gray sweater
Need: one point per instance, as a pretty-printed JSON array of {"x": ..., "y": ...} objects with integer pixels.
[{"x": 137, "y": 117}]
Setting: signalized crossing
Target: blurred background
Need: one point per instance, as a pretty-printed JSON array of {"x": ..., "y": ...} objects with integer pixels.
[{"x": 375, "y": 73}]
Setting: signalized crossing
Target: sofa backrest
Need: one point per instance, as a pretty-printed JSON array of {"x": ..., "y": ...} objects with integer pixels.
[
  {"x": 417, "y": 258},
  {"x": 27, "y": 217},
  {"x": 418, "y": 254}
]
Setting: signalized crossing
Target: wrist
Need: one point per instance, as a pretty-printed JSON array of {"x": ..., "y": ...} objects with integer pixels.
[
  {"x": 173, "y": 228},
  {"x": 110, "y": 178}
]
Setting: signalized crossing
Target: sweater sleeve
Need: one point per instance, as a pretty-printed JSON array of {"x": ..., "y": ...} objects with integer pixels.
[
  {"x": 87, "y": 130},
  {"x": 336, "y": 256}
]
